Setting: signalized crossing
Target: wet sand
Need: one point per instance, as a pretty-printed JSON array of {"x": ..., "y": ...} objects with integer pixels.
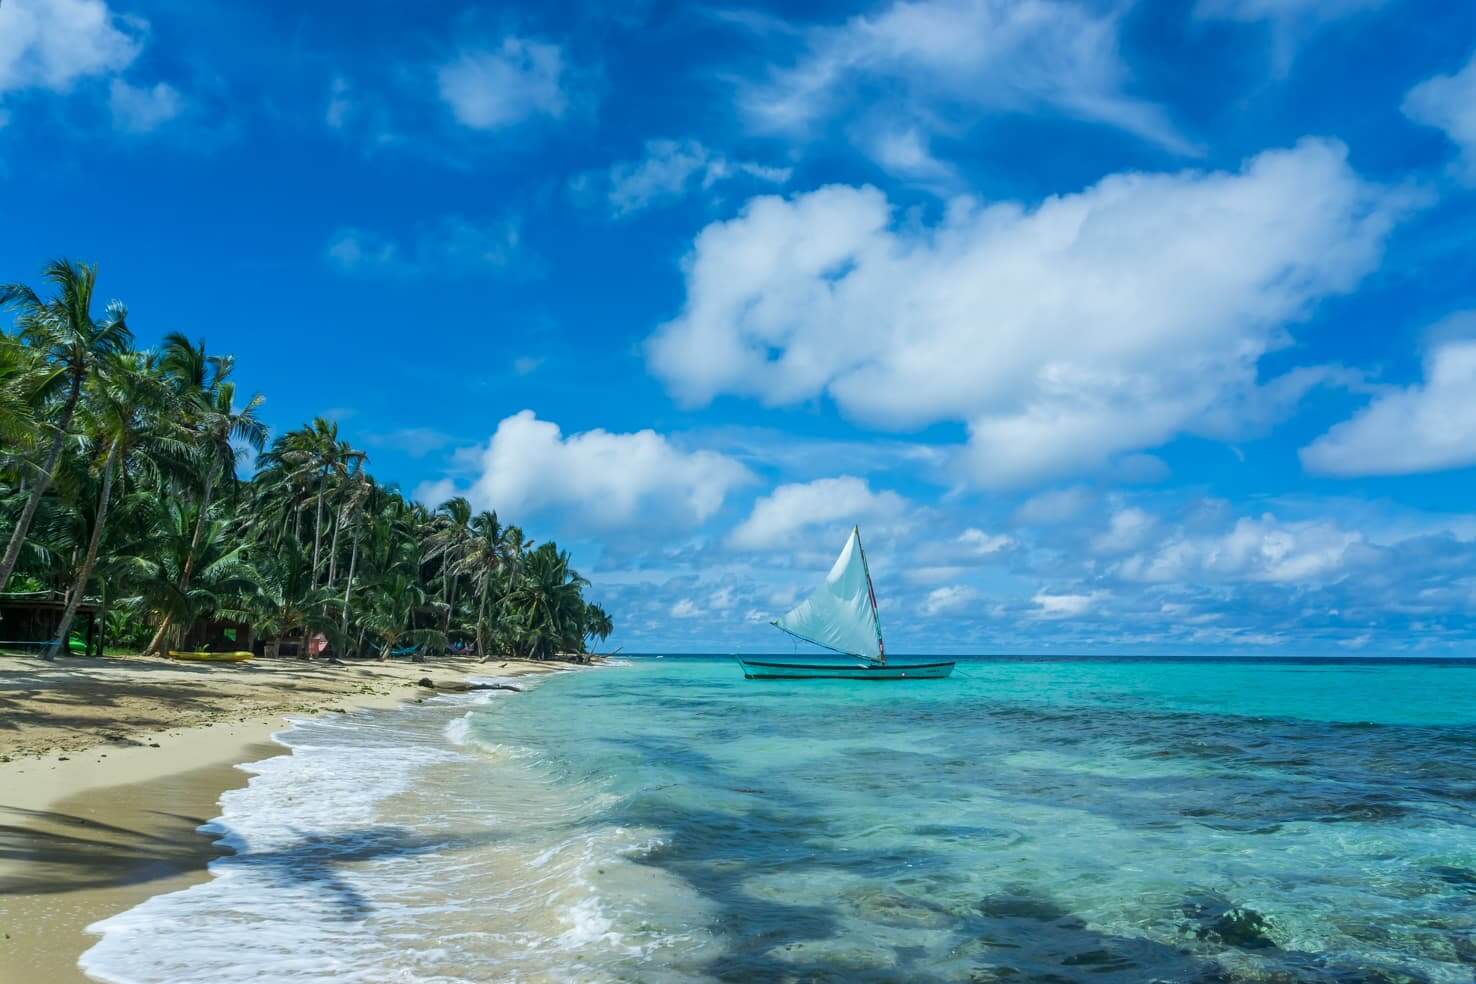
[{"x": 108, "y": 766}]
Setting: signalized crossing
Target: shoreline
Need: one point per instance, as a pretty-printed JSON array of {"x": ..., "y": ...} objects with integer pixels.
[{"x": 90, "y": 831}]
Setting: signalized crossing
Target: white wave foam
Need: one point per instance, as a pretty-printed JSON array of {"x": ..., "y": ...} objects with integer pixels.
[{"x": 380, "y": 851}]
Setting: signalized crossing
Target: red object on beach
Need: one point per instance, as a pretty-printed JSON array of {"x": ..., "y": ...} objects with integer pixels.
[{"x": 317, "y": 644}]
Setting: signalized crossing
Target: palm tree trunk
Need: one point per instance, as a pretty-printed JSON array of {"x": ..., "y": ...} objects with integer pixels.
[
  {"x": 85, "y": 574},
  {"x": 349, "y": 583},
  {"x": 318, "y": 525},
  {"x": 333, "y": 546},
  {"x": 43, "y": 482},
  {"x": 158, "y": 639}
]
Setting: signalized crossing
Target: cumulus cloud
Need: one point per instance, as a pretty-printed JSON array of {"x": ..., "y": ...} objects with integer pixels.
[
  {"x": 1430, "y": 426},
  {"x": 1052, "y": 507},
  {"x": 1125, "y": 531},
  {"x": 601, "y": 479},
  {"x": 140, "y": 109},
  {"x": 669, "y": 169},
  {"x": 937, "y": 59},
  {"x": 489, "y": 89},
  {"x": 949, "y": 599},
  {"x": 1262, "y": 549},
  {"x": 451, "y": 246},
  {"x": 1448, "y": 103},
  {"x": 1066, "y": 604},
  {"x": 790, "y": 508},
  {"x": 50, "y": 44},
  {"x": 979, "y": 543},
  {"x": 1093, "y": 325}
]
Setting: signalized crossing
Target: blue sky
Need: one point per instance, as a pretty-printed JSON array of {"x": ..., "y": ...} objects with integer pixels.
[{"x": 1118, "y": 327}]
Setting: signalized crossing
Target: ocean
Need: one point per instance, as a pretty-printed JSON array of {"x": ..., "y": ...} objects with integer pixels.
[{"x": 1027, "y": 820}]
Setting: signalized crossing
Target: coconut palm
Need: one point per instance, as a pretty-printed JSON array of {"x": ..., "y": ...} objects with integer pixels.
[
  {"x": 221, "y": 431},
  {"x": 128, "y": 409},
  {"x": 72, "y": 343}
]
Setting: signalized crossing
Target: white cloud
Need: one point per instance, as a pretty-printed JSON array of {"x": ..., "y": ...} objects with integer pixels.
[
  {"x": 452, "y": 246},
  {"x": 1096, "y": 324},
  {"x": 1264, "y": 549},
  {"x": 1125, "y": 531},
  {"x": 978, "y": 542},
  {"x": 905, "y": 152},
  {"x": 1052, "y": 507},
  {"x": 1429, "y": 426},
  {"x": 602, "y": 479},
  {"x": 525, "y": 365},
  {"x": 1065, "y": 605},
  {"x": 1448, "y": 103},
  {"x": 495, "y": 88},
  {"x": 949, "y": 599},
  {"x": 685, "y": 608},
  {"x": 668, "y": 169},
  {"x": 942, "y": 57},
  {"x": 139, "y": 109},
  {"x": 50, "y": 44},
  {"x": 790, "y": 508}
]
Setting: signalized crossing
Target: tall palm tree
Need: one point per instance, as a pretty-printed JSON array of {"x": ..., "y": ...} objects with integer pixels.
[
  {"x": 128, "y": 397},
  {"x": 73, "y": 343},
  {"x": 220, "y": 431},
  {"x": 597, "y": 622}
]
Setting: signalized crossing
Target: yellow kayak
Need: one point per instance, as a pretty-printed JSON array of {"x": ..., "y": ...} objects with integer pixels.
[{"x": 210, "y": 657}]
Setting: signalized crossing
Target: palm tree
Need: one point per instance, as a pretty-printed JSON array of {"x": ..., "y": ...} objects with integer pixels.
[
  {"x": 393, "y": 604},
  {"x": 597, "y": 622},
  {"x": 220, "y": 431},
  {"x": 20, "y": 385},
  {"x": 548, "y": 604},
  {"x": 73, "y": 344},
  {"x": 447, "y": 542},
  {"x": 119, "y": 469},
  {"x": 127, "y": 397},
  {"x": 224, "y": 583}
]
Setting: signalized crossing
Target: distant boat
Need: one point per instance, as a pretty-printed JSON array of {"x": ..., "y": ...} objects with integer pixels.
[{"x": 841, "y": 616}]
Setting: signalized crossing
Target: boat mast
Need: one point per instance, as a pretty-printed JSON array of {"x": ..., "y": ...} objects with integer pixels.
[{"x": 881, "y": 647}]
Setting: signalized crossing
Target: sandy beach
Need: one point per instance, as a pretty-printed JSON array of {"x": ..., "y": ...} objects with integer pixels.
[{"x": 108, "y": 766}]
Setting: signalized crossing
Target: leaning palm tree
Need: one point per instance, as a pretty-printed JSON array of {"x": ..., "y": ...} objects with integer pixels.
[
  {"x": 128, "y": 410},
  {"x": 597, "y": 622},
  {"x": 219, "y": 431},
  {"x": 73, "y": 343}
]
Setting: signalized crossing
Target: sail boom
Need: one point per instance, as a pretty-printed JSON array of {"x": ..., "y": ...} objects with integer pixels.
[{"x": 816, "y": 642}]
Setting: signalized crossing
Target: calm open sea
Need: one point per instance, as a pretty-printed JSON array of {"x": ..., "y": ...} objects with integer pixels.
[{"x": 1025, "y": 820}]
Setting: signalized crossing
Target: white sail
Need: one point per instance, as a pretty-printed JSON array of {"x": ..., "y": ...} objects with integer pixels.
[{"x": 841, "y": 613}]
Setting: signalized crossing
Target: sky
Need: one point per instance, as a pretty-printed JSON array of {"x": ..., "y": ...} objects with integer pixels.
[{"x": 1145, "y": 326}]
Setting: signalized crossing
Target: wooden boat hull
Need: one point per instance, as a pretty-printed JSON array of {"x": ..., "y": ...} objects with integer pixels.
[
  {"x": 755, "y": 669},
  {"x": 210, "y": 657}
]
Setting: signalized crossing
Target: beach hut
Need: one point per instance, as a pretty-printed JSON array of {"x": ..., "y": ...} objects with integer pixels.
[{"x": 29, "y": 620}]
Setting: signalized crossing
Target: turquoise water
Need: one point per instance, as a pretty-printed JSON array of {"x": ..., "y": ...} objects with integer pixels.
[
  {"x": 667, "y": 820},
  {"x": 1062, "y": 820}
]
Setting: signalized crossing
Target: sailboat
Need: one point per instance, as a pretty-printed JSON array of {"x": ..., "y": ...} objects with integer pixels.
[{"x": 840, "y": 615}]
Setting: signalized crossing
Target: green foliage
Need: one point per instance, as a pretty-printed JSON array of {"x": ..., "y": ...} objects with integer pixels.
[{"x": 119, "y": 483}]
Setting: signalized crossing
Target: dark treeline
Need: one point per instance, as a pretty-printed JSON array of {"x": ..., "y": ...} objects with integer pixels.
[{"x": 118, "y": 484}]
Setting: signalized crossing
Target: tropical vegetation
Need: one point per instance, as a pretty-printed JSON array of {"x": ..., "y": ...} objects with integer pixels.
[{"x": 121, "y": 484}]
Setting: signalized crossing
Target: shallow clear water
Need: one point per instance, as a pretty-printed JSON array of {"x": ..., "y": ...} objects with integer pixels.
[{"x": 1025, "y": 820}]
